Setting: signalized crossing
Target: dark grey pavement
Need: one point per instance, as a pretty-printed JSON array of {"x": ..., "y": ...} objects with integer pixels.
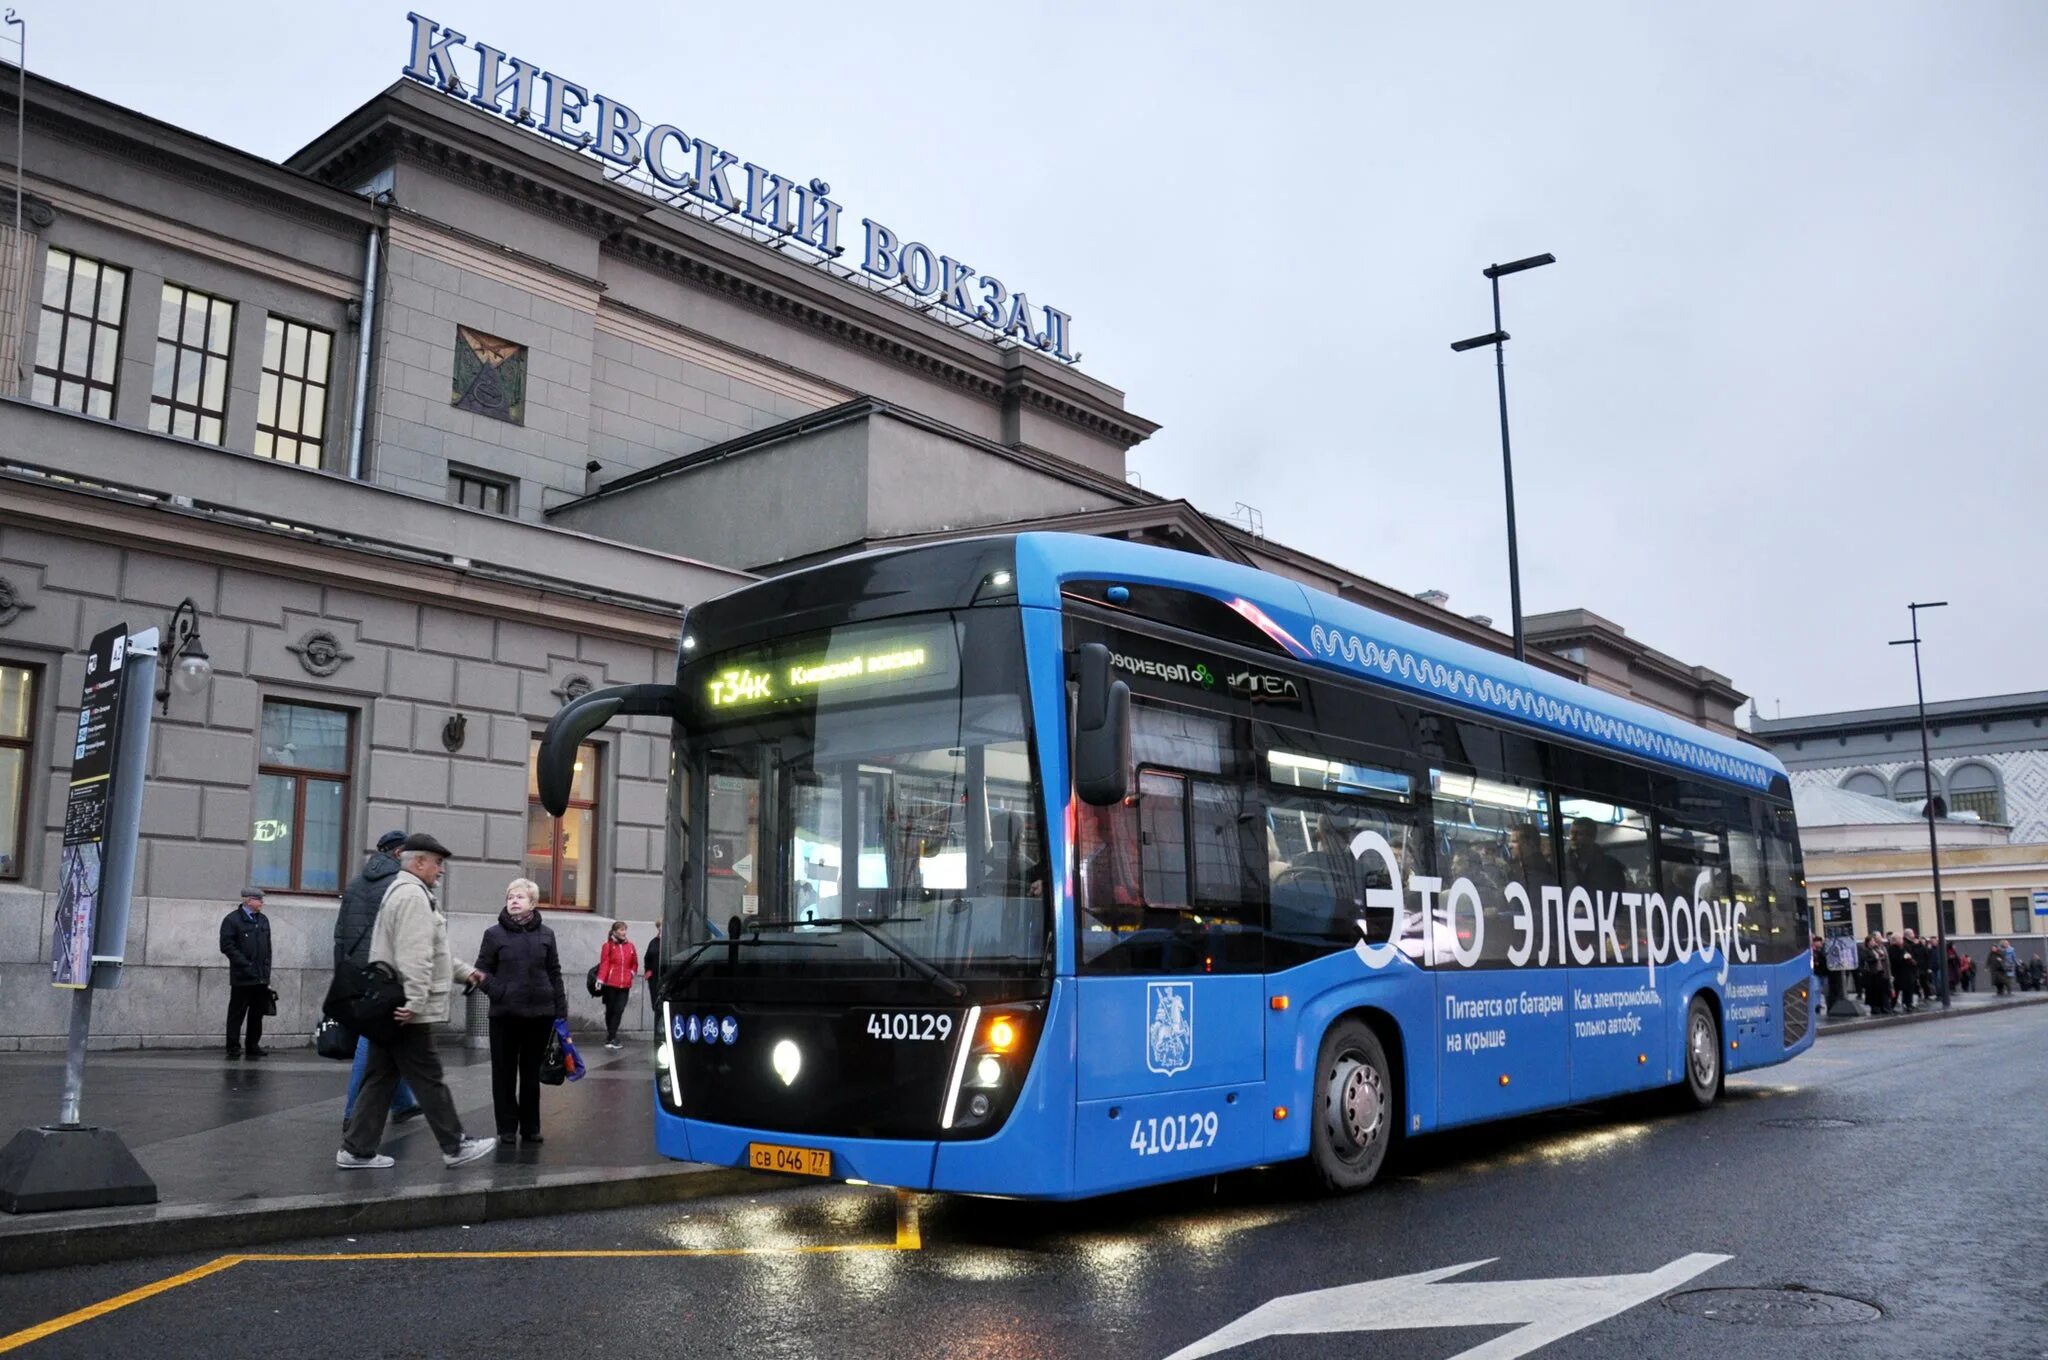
[
  {"x": 1978, "y": 1002},
  {"x": 1891, "y": 1174},
  {"x": 242, "y": 1151}
]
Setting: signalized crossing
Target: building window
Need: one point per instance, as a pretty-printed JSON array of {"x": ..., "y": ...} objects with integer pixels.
[
  {"x": 1980, "y": 915},
  {"x": 1864, "y": 782},
  {"x": 1876, "y": 916},
  {"x": 490, "y": 376},
  {"x": 78, "y": 344},
  {"x": 480, "y": 490},
  {"x": 560, "y": 851},
  {"x": 291, "y": 406},
  {"x": 300, "y": 839},
  {"x": 1974, "y": 788},
  {"x": 1910, "y": 787},
  {"x": 1909, "y": 916},
  {"x": 17, "y": 726},
  {"x": 2022, "y": 916},
  {"x": 1948, "y": 916},
  {"x": 189, "y": 397}
]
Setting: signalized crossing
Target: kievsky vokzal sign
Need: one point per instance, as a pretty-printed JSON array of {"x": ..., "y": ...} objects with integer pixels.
[{"x": 559, "y": 108}]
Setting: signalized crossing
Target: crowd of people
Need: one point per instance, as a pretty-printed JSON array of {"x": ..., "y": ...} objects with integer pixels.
[
  {"x": 391, "y": 925},
  {"x": 1897, "y": 972}
]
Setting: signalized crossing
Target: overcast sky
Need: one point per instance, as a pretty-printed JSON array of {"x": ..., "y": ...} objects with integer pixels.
[{"x": 1786, "y": 375}]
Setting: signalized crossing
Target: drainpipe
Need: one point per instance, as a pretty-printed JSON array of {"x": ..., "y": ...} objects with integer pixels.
[{"x": 355, "y": 428}]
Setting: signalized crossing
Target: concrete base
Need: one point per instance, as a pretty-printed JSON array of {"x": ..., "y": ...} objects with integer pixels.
[{"x": 70, "y": 1166}]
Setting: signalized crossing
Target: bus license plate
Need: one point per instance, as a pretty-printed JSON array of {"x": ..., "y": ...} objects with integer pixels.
[{"x": 796, "y": 1161}]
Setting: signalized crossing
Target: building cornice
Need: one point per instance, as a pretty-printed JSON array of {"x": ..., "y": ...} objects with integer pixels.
[{"x": 410, "y": 123}]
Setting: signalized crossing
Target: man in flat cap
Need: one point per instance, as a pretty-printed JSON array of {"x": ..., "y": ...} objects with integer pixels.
[
  {"x": 360, "y": 901},
  {"x": 411, "y": 936},
  {"x": 245, "y": 939}
]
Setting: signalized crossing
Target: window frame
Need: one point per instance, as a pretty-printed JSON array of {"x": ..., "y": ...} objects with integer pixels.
[
  {"x": 273, "y": 428},
  {"x": 299, "y": 775},
  {"x": 1981, "y": 917},
  {"x": 65, "y": 317},
  {"x": 551, "y": 889},
  {"x": 27, "y": 746},
  {"x": 206, "y": 355},
  {"x": 461, "y": 476},
  {"x": 2022, "y": 914}
]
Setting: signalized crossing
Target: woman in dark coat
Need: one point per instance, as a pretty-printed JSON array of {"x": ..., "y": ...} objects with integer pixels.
[{"x": 523, "y": 977}]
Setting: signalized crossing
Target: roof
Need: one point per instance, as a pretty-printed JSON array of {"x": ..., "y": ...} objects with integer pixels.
[
  {"x": 1898, "y": 716},
  {"x": 1339, "y": 635},
  {"x": 1826, "y": 805}
]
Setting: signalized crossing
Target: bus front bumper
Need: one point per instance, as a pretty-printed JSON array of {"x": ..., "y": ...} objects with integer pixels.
[{"x": 905, "y": 1163}]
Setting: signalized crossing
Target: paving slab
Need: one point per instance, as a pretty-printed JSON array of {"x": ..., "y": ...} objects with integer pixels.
[{"x": 242, "y": 1152}]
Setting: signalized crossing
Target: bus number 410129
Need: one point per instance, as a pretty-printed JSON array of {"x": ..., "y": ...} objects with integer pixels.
[
  {"x": 901, "y": 1025},
  {"x": 1173, "y": 1133}
]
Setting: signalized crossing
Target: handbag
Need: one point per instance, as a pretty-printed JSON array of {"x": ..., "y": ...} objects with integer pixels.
[
  {"x": 362, "y": 997},
  {"x": 554, "y": 1066},
  {"x": 270, "y": 1001},
  {"x": 332, "y": 1040},
  {"x": 572, "y": 1061},
  {"x": 590, "y": 982}
]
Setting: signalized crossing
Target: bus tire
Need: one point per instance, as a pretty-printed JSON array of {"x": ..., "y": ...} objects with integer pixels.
[
  {"x": 1354, "y": 1108},
  {"x": 1702, "y": 1057}
]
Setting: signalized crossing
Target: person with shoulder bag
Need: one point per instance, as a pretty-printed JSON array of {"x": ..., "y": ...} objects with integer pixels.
[
  {"x": 353, "y": 924},
  {"x": 245, "y": 939},
  {"x": 617, "y": 962},
  {"x": 523, "y": 977}
]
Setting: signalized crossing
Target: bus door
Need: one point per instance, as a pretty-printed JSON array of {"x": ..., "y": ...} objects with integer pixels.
[
  {"x": 1501, "y": 1031},
  {"x": 1617, "y": 1002},
  {"x": 1172, "y": 998}
]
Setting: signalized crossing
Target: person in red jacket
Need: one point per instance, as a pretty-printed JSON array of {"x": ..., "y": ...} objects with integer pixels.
[{"x": 617, "y": 962}]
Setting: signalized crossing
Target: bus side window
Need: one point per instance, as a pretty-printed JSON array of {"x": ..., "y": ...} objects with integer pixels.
[{"x": 1491, "y": 833}]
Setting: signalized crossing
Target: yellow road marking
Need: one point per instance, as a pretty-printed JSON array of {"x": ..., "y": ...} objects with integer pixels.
[
  {"x": 42, "y": 1329},
  {"x": 909, "y": 1237}
]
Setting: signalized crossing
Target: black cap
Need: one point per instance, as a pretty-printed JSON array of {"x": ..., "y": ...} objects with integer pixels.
[
  {"x": 390, "y": 839},
  {"x": 256, "y": 893},
  {"x": 420, "y": 840}
]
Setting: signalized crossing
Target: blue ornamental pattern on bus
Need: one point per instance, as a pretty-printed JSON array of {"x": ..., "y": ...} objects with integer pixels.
[
  {"x": 1169, "y": 1027},
  {"x": 1485, "y": 691}
]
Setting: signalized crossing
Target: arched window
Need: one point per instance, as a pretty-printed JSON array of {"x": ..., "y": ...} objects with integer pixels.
[
  {"x": 1974, "y": 788},
  {"x": 1863, "y": 781},
  {"x": 1910, "y": 786}
]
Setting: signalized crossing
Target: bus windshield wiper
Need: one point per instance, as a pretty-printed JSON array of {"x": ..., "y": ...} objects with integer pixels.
[
  {"x": 923, "y": 967},
  {"x": 752, "y": 937}
]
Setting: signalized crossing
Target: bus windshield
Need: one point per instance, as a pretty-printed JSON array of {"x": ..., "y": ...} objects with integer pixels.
[{"x": 868, "y": 809}]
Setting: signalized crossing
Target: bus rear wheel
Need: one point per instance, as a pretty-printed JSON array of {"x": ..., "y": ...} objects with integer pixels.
[
  {"x": 1355, "y": 1115},
  {"x": 1702, "y": 1056}
]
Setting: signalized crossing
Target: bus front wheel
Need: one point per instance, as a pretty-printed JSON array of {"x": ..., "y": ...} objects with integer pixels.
[
  {"x": 1702, "y": 1056},
  {"x": 1355, "y": 1107}
]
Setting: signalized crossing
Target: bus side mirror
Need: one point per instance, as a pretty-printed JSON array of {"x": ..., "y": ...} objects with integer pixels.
[
  {"x": 580, "y": 717},
  {"x": 1102, "y": 730}
]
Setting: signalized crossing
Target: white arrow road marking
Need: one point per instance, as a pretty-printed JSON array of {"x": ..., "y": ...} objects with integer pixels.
[{"x": 1547, "y": 1309}]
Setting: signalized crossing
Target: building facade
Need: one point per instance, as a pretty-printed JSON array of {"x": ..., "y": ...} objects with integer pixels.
[
  {"x": 1989, "y": 756},
  {"x": 436, "y": 425}
]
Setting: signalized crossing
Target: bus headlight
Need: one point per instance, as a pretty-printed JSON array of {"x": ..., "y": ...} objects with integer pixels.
[
  {"x": 989, "y": 1071},
  {"x": 662, "y": 1056}
]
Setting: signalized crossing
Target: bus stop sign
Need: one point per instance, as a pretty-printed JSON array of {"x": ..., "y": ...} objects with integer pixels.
[{"x": 2041, "y": 902}]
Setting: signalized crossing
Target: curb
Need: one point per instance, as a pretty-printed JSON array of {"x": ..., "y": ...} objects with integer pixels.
[
  {"x": 1923, "y": 1015},
  {"x": 94, "y": 1237}
]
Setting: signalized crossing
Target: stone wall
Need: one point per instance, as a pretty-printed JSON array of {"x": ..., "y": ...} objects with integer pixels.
[{"x": 409, "y": 667}]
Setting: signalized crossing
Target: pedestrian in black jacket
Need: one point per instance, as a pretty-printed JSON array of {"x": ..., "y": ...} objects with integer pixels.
[
  {"x": 245, "y": 939},
  {"x": 523, "y": 977}
]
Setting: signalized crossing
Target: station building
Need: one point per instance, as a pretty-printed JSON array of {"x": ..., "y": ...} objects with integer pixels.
[
  {"x": 440, "y": 423},
  {"x": 1862, "y": 791}
]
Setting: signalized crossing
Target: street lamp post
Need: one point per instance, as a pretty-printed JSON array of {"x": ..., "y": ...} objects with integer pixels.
[
  {"x": 1498, "y": 338},
  {"x": 1927, "y": 777}
]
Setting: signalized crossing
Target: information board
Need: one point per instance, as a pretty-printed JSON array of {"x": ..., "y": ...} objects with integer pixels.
[{"x": 85, "y": 809}]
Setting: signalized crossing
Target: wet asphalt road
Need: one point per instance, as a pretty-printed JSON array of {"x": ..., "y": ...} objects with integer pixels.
[{"x": 1906, "y": 1167}]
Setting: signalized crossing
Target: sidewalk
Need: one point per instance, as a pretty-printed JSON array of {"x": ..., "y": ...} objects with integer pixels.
[
  {"x": 242, "y": 1152},
  {"x": 1965, "y": 1003}
]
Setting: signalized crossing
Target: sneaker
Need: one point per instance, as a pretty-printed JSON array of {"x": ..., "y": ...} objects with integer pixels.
[
  {"x": 349, "y": 1161},
  {"x": 258, "y": 1051},
  {"x": 234, "y": 1052},
  {"x": 530, "y": 1138},
  {"x": 409, "y": 1112},
  {"x": 469, "y": 1150}
]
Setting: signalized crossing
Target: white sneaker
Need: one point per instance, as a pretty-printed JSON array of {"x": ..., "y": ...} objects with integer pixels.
[
  {"x": 375, "y": 1162},
  {"x": 469, "y": 1151}
]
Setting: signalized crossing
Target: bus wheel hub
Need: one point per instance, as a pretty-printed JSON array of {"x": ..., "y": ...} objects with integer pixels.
[{"x": 1360, "y": 1100}]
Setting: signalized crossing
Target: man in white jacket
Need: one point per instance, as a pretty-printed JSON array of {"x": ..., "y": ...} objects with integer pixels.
[{"x": 411, "y": 936}]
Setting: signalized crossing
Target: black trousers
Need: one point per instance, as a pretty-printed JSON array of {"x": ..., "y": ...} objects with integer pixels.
[
  {"x": 614, "y": 1011},
  {"x": 518, "y": 1042},
  {"x": 411, "y": 1055},
  {"x": 247, "y": 1000}
]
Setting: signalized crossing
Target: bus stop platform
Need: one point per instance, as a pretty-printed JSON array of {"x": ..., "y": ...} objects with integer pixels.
[
  {"x": 1980, "y": 1002},
  {"x": 242, "y": 1152}
]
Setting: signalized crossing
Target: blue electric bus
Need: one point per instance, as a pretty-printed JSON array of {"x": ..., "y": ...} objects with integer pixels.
[{"x": 1047, "y": 865}]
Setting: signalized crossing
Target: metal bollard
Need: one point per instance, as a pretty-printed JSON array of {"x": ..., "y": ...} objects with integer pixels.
[{"x": 476, "y": 1027}]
